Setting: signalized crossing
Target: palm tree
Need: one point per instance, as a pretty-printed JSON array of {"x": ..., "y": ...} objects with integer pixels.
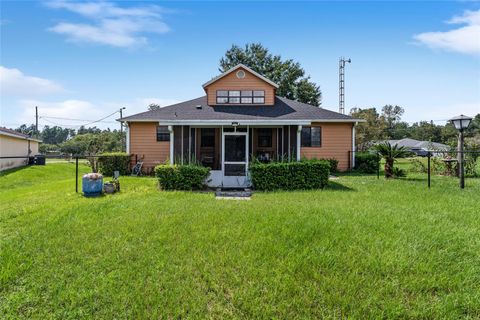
[{"x": 390, "y": 153}]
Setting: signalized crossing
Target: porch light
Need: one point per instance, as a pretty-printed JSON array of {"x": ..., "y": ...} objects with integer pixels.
[
  {"x": 461, "y": 123},
  {"x": 235, "y": 124}
]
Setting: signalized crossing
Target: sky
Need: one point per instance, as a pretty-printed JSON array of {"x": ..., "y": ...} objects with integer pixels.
[{"x": 86, "y": 60}]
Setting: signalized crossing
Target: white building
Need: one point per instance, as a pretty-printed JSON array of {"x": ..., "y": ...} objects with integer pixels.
[{"x": 15, "y": 144}]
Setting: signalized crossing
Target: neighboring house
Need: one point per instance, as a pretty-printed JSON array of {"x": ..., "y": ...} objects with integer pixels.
[
  {"x": 15, "y": 144},
  {"x": 420, "y": 147},
  {"x": 238, "y": 119}
]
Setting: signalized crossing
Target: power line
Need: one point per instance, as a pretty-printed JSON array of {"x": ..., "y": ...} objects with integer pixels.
[
  {"x": 46, "y": 118},
  {"x": 73, "y": 119}
]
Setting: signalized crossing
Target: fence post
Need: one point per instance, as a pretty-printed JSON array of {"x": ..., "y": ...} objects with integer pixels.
[
  {"x": 76, "y": 174},
  {"x": 429, "y": 155}
]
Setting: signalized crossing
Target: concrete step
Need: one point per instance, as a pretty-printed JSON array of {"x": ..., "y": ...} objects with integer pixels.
[{"x": 237, "y": 194}]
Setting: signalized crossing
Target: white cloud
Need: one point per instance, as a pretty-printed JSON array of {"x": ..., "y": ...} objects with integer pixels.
[
  {"x": 71, "y": 109},
  {"x": 109, "y": 24},
  {"x": 13, "y": 82},
  {"x": 464, "y": 39},
  {"x": 58, "y": 112}
]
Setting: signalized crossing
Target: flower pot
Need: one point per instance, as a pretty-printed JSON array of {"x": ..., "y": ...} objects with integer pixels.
[{"x": 92, "y": 184}]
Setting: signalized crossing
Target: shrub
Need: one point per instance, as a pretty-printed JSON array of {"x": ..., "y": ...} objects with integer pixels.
[
  {"x": 306, "y": 174},
  {"x": 367, "y": 162},
  {"x": 114, "y": 161},
  {"x": 399, "y": 173},
  {"x": 333, "y": 164},
  {"x": 181, "y": 177},
  {"x": 417, "y": 165}
]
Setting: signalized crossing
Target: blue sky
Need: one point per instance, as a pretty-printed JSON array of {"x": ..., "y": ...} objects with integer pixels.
[{"x": 84, "y": 60}]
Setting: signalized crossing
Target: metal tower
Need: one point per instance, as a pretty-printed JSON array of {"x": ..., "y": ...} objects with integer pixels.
[{"x": 341, "y": 83}]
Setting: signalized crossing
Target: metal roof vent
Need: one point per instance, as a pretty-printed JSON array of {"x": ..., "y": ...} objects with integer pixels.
[{"x": 198, "y": 107}]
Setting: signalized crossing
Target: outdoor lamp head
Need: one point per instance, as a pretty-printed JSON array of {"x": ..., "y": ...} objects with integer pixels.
[{"x": 461, "y": 122}]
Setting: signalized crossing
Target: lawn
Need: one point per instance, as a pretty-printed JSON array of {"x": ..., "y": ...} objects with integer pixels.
[{"x": 362, "y": 248}]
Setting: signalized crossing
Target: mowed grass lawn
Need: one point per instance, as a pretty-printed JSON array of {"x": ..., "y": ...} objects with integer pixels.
[{"x": 362, "y": 248}]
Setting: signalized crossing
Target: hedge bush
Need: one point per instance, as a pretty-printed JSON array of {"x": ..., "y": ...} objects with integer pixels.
[
  {"x": 114, "y": 161},
  {"x": 367, "y": 162},
  {"x": 181, "y": 177},
  {"x": 333, "y": 164},
  {"x": 305, "y": 174}
]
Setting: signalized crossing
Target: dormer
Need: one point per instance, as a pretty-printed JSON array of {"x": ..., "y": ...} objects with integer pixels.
[{"x": 240, "y": 86}]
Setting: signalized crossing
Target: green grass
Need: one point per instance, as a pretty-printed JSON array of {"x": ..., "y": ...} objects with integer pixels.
[{"x": 362, "y": 248}]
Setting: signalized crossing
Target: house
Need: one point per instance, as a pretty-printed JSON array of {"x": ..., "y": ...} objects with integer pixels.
[
  {"x": 240, "y": 118},
  {"x": 420, "y": 148},
  {"x": 16, "y": 148}
]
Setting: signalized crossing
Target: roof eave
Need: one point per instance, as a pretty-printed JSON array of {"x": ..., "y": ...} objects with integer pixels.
[{"x": 245, "y": 121}]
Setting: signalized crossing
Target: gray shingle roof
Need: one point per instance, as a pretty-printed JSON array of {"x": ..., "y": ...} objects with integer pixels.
[
  {"x": 417, "y": 144},
  {"x": 284, "y": 109}
]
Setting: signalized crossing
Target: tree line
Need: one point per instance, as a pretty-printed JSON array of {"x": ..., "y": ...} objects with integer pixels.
[
  {"x": 388, "y": 125},
  {"x": 84, "y": 141}
]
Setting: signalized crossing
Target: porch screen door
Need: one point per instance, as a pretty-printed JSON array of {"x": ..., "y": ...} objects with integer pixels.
[{"x": 235, "y": 155}]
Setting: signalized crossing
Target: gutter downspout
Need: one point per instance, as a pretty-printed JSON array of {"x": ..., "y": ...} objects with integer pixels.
[
  {"x": 353, "y": 145},
  {"x": 127, "y": 140},
  {"x": 170, "y": 129}
]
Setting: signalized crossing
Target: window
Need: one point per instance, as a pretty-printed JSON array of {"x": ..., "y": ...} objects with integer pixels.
[
  {"x": 312, "y": 137},
  {"x": 247, "y": 96},
  {"x": 222, "y": 96},
  {"x": 258, "y": 96},
  {"x": 264, "y": 138},
  {"x": 163, "y": 134},
  {"x": 207, "y": 138},
  {"x": 240, "y": 97}
]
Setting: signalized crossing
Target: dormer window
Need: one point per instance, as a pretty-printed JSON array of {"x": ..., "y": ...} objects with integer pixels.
[{"x": 240, "y": 96}]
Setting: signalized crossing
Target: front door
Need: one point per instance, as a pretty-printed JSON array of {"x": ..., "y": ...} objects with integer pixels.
[{"x": 235, "y": 159}]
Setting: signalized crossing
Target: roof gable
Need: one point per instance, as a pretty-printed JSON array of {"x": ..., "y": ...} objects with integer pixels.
[{"x": 239, "y": 66}]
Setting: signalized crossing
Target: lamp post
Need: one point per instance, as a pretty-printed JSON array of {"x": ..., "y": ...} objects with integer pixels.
[{"x": 461, "y": 123}]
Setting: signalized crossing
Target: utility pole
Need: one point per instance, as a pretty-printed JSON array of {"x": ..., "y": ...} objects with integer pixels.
[
  {"x": 341, "y": 83},
  {"x": 36, "y": 120},
  {"x": 121, "y": 127}
]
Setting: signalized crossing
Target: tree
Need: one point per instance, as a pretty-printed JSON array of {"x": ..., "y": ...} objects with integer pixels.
[
  {"x": 370, "y": 131},
  {"x": 83, "y": 130},
  {"x": 390, "y": 153},
  {"x": 153, "y": 107},
  {"x": 56, "y": 134},
  {"x": 392, "y": 115},
  {"x": 289, "y": 75},
  {"x": 400, "y": 130},
  {"x": 426, "y": 131},
  {"x": 30, "y": 130}
]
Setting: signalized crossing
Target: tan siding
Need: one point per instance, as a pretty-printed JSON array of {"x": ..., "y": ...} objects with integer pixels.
[
  {"x": 15, "y": 147},
  {"x": 336, "y": 143},
  {"x": 144, "y": 144},
  {"x": 250, "y": 82}
]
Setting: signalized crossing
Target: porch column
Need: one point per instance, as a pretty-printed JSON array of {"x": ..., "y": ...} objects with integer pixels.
[
  {"x": 299, "y": 131},
  {"x": 170, "y": 129}
]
